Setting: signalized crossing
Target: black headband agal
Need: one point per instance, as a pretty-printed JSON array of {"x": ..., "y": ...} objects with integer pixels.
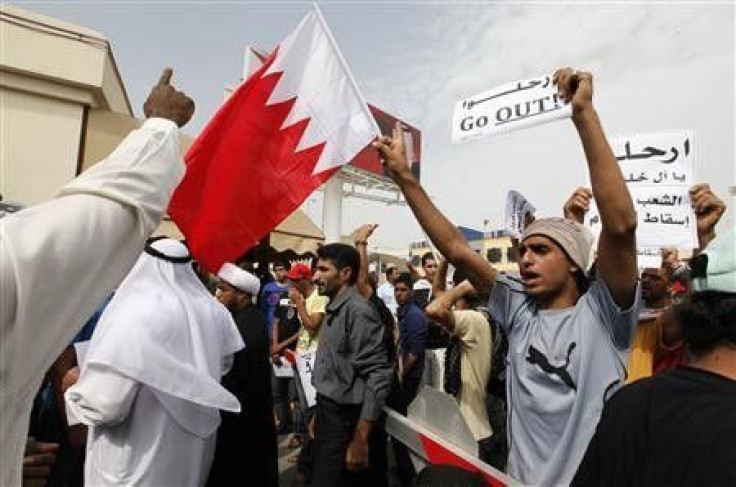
[{"x": 160, "y": 255}]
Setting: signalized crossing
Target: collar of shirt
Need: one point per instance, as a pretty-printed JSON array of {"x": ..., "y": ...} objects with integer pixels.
[
  {"x": 406, "y": 308},
  {"x": 339, "y": 300}
]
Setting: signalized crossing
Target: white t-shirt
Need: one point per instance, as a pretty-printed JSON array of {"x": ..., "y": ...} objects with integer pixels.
[
  {"x": 563, "y": 364},
  {"x": 474, "y": 332}
]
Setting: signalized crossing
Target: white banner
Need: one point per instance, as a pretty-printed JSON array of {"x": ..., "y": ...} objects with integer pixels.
[
  {"x": 659, "y": 171},
  {"x": 305, "y": 366},
  {"x": 665, "y": 217},
  {"x": 509, "y": 107},
  {"x": 517, "y": 207},
  {"x": 664, "y": 158}
]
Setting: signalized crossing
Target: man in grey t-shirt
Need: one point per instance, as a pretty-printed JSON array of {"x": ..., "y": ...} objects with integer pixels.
[{"x": 569, "y": 335}]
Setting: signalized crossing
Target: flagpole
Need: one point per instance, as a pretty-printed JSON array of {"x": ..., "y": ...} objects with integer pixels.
[{"x": 345, "y": 66}]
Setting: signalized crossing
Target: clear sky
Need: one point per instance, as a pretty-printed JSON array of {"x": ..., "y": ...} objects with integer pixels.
[{"x": 661, "y": 66}]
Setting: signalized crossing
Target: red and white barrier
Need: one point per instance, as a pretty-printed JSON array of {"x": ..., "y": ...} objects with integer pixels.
[{"x": 432, "y": 448}]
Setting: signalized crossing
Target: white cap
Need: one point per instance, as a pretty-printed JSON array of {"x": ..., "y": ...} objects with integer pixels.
[{"x": 239, "y": 278}]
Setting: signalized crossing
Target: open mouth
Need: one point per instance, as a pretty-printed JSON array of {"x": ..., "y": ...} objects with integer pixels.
[{"x": 530, "y": 278}]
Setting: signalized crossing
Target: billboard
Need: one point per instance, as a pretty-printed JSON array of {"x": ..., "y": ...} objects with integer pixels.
[{"x": 367, "y": 159}]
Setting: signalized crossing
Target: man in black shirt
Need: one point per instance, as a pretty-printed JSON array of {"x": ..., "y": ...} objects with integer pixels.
[
  {"x": 678, "y": 428},
  {"x": 284, "y": 335}
]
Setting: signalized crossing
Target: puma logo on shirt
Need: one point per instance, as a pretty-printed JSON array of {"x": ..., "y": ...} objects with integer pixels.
[{"x": 536, "y": 357}]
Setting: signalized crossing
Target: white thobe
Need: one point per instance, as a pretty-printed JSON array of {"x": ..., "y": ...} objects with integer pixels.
[
  {"x": 59, "y": 259},
  {"x": 133, "y": 440}
]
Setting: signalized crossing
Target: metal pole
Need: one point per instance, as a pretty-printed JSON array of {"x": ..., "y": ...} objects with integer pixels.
[{"x": 332, "y": 209}]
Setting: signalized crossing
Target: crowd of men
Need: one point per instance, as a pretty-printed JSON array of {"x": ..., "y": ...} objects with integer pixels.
[{"x": 170, "y": 382}]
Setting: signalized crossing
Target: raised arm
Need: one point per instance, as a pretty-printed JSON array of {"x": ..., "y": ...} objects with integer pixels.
[
  {"x": 91, "y": 235},
  {"x": 412, "y": 270},
  {"x": 445, "y": 236},
  {"x": 440, "y": 309},
  {"x": 617, "y": 245},
  {"x": 362, "y": 234},
  {"x": 440, "y": 279}
]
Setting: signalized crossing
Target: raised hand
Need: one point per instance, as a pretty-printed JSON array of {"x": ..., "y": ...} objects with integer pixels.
[
  {"x": 393, "y": 153},
  {"x": 709, "y": 209},
  {"x": 363, "y": 232},
  {"x": 575, "y": 87},
  {"x": 578, "y": 204},
  {"x": 167, "y": 102}
]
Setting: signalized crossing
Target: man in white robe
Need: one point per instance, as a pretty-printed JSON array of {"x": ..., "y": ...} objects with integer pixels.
[
  {"x": 59, "y": 259},
  {"x": 149, "y": 387}
]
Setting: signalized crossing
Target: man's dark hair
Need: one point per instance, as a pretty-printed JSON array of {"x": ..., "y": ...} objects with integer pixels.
[
  {"x": 457, "y": 278},
  {"x": 390, "y": 271},
  {"x": 405, "y": 278},
  {"x": 341, "y": 256},
  {"x": 427, "y": 256},
  {"x": 708, "y": 319},
  {"x": 282, "y": 263}
]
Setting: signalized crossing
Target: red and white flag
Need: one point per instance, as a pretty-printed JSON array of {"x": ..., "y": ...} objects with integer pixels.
[{"x": 283, "y": 133}]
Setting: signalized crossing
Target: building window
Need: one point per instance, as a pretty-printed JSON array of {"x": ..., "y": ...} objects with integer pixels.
[
  {"x": 511, "y": 254},
  {"x": 494, "y": 255}
]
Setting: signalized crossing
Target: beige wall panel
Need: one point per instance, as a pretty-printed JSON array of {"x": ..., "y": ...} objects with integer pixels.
[{"x": 39, "y": 145}]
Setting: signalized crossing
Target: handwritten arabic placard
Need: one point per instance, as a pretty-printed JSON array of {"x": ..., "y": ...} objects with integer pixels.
[
  {"x": 665, "y": 217},
  {"x": 509, "y": 107},
  {"x": 305, "y": 367},
  {"x": 664, "y": 158},
  {"x": 517, "y": 207},
  {"x": 649, "y": 257}
]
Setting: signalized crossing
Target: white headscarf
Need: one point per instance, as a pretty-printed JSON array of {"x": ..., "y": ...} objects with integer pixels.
[{"x": 163, "y": 329}]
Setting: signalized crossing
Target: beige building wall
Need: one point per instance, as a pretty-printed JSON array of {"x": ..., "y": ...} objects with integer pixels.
[
  {"x": 39, "y": 145},
  {"x": 52, "y": 74}
]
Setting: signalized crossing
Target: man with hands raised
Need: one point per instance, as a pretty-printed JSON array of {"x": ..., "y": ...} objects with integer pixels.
[{"x": 569, "y": 333}]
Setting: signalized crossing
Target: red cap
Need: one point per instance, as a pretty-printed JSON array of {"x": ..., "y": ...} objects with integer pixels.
[{"x": 300, "y": 271}]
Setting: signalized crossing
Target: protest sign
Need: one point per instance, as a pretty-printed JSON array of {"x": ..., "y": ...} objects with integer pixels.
[
  {"x": 284, "y": 370},
  {"x": 509, "y": 107},
  {"x": 664, "y": 217},
  {"x": 517, "y": 208},
  {"x": 305, "y": 367},
  {"x": 659, "y": 170},
  {"x": 649, "y": 257},
  {"x": 663, "y": 158}
]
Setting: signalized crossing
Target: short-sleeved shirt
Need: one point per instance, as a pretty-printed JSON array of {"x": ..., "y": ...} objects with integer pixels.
[
  {"x": 270, "y": 296},
  {"x": 413, "y": 330},
  {"x": 315, "y": 303},
  {"x": 474, "y": 332},
  {"x": 288, "y": 317},
  {"x": 563, "y": 365},
  {"x": 676, "y": 428}
]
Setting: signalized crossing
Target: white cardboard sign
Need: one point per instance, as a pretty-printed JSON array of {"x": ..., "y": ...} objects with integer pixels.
[
  {"x": 305, "y": 367},
  {"x": 509, "y": 107},
  {"x": 517, "y": 207},
  {"x": 658, "y": 169}
]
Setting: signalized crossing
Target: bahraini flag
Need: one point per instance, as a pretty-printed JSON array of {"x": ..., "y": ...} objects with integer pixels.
[{"x": 282, "y": 134}]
